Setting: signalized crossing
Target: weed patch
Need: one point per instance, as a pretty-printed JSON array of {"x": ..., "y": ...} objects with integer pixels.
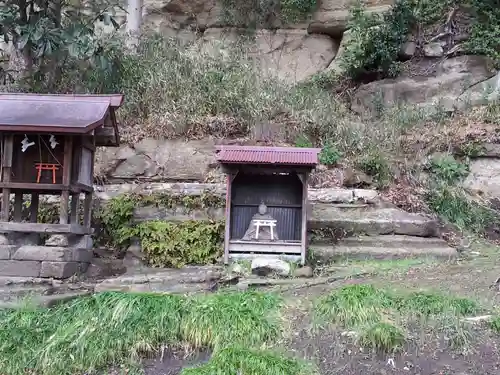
[
  {"x": 373, "y": 311},
  {"x": 382, "y": 337},
  {"x": 91, "y": 333},
  {"x": 453, "y": 204},
  {"x": 238, "y": 360}
]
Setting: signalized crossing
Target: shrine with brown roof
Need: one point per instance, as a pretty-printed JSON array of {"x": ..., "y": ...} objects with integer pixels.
[
  {"x": 48, "y": 144},
  {"x": 266, "y": 201}
]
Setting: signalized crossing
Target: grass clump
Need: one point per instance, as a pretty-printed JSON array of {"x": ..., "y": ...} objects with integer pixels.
[
  {"x": 372, "y": 312},
  {"x": 87, "y": 333},
  {"x": 239, "y": 360},
  {"x": 354, "y": 305},
  {"x": 456, "y": 207},
  {"x": 495, "y": 324},
  {"x": 91, "y": 333},
  {"x": 382, "y": 337},
  {"x": 229, "y": 318}
]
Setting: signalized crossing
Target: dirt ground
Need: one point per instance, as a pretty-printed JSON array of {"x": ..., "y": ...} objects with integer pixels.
[{"x": 427, "y": 352}]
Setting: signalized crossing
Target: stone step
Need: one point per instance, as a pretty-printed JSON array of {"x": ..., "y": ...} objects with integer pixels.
[
  {"x": 44, "y": 300},
  {"x": 367, "y": 251},
  {"x": 393, "y": 241},
  {"x": 371, "y": 221},
  {"x": 12, "y": 293}
]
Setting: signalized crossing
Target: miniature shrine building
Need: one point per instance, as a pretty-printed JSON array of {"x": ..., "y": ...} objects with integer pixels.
[
  {"x": 266, "y": 200},
  {"x": 48, "y": 144}
]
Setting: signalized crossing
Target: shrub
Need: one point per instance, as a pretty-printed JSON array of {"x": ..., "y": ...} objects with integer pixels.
[
  {"x": 375, "y": 41},
  {"x": 485, "y": 32},
  {"x": 330, "y": 154},
  {"x": 376, "y": 165},
  {"x": 447, "y": 169},
  {"x": 174, "y": 244}
]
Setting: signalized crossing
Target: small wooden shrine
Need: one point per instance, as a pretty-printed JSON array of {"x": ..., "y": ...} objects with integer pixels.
[
  {"x": 48, "y": 143},
  {"x": 266, "y": 200}
]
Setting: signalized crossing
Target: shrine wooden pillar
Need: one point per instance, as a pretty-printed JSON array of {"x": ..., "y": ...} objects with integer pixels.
[
  {"x": 8, "y": 151},
  {"x": 66, "y": 180}
]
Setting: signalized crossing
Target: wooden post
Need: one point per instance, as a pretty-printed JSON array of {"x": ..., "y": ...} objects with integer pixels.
[
  {"x": 75, "y": 200},
  {"x": 18, "y": 207},
  {"x": 304, "y": 243},
  {"x": 8, "y": 150},
  {"x": 87, "y": 210},
  {"x": 227, "y": 229},
  {"x": 66, "y": 179},
  {"x": 35, "y": 201}
]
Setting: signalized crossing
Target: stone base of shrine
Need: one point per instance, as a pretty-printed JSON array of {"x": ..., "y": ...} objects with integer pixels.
[{"x": 55, "y": 262}]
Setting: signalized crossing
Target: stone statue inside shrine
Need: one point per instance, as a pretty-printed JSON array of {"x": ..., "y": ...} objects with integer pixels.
[{"x": 262, "y": 226}]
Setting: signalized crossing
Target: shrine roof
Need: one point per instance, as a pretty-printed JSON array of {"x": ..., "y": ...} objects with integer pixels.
[
  {"x": 296, "y": 156},
  {"x": 76, "y": 114}
]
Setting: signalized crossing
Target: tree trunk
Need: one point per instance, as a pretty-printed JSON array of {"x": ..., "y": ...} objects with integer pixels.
[{"x": 134, "y": 21}]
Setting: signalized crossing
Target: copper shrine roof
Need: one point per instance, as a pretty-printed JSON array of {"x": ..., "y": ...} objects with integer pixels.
[
  {"x": 77, "y": 114},
  {"x": 268, "y": 155}
]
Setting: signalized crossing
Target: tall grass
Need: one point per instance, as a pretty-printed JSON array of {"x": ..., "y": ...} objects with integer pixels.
[
  {"x": 379, "y": 315},
  {"x": 91, "y": 333}
]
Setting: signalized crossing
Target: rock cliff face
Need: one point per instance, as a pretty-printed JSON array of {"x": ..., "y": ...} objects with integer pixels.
[{"x": 294, "y": 52}]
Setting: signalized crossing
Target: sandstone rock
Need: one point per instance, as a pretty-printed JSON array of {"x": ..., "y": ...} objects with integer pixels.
[
  {"x": 60, "y": 270},
  {"x": 49, "y": 253},
  {"x": 291, "y": 55},
  {"x": 305, "y": 271},
  {"x": 408, "y": 50},
  {"x": 434, "y": 49},
  {"x": 484, "y": 177},
  {"x": 6, "y": 251},
  {"x": 20, "y": 268},
  {"x": 57, "y": 240},
  {"x": 4, "y": 240},
  {"x": 198, "y": 14},
  {"x": 352, "y": 177},
  {"x": 266, "y": 266},
  {"x": 335, "y": 66},
  {"x": 451, "y": 77},
  {"x": 157, "y": 160},
  {"x": 372, "y": 221},
  {"x": 483, "y": 93},
  {"x": 332, "y": 16}
]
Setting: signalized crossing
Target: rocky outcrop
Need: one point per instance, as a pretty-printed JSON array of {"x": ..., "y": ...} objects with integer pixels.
[
  {"x": 291, "y": 55},
  {"x": 451, "y": 79},
  {"x": 332, "y": 16},
  {"x": 157, "y": 160}
]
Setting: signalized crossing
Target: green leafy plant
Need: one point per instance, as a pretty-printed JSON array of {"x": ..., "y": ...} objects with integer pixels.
[
  {"x": 50, "y": 33},
  {"x": 495, "y": 324},
  {"x": 447, "y": 169},
  {"x": 330, "y": 154},
  {"x": 303, "y": 141},
  {"x": 376, "y": 165},
  {"x": 485, "y": 32},
  {"x": 116, "y": 221},
  {"x": 174, "y": 244},
  {"x": 375, "y": 41},
  {"x": 453, "y": 204}
]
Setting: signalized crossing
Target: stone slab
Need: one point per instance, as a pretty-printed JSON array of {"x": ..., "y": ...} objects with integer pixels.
[
  {"x": 382, "y": 253},
  {"x": 20, "y": 268},
  {"x": 6, "y": 251},
  {"x": 52, "y": 253},
  {"x": 59, "y": 270}
]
